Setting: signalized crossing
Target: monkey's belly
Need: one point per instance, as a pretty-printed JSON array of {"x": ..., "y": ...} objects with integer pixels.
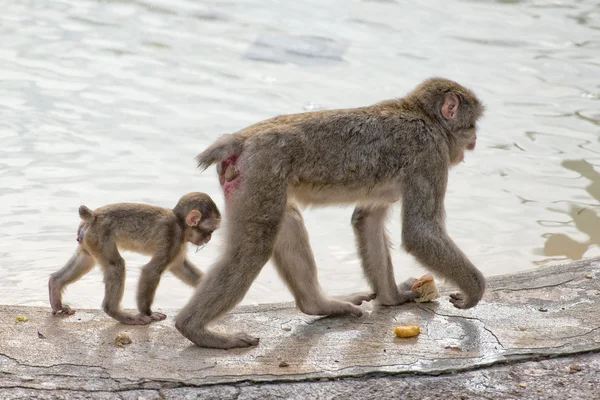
[
  {"x": 310, "y": 195},
  {"x": 129, "y": 245}
]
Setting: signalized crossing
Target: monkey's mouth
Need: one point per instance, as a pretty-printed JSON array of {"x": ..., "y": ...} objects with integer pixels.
[
  {"x": 201, "y": 242},
  {"x": 471, "y": 146}
]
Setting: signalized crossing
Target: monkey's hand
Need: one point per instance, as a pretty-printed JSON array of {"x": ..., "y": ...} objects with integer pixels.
[
  {"x": 401, "y": 297},
  {"x": 462, "y": 301},
  {"x": 402, "y": 294},
  {"x": 470, "y": 293}
]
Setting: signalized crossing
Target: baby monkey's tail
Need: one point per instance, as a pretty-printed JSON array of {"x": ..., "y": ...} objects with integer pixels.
[
  {"x": 86, "y": 214},
  {"x": 226, "y": 146}
]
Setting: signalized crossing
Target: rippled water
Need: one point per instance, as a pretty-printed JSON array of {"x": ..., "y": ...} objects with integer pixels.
[{"x": 109, "y": 101}]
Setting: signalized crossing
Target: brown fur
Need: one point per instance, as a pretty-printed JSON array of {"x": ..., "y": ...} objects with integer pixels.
[
  {"x": 370, "y": 156},
  {"x": 155, "y": 231}
]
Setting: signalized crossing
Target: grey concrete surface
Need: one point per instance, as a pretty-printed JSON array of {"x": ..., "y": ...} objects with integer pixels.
[
  {"x": 551, "y": 379},
  {"x": 549, "y": 312}
]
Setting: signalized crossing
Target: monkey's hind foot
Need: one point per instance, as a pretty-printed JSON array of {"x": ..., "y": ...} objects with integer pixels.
[
  {"x": 214, "y": 340},
  {"x": 62, "y": 310},
  {"x": 130, "y": 319},
  {"x": 358, "y": 298},
  {"x": 331, "y": 307},
  {"x": 462, "y": 301},
  {"x": 156, "y": 316}
]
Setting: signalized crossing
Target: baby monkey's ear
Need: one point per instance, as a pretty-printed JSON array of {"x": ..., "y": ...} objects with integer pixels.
[
  {"x": 193, "y": 218},
  {"x": 450, "y": 106}
]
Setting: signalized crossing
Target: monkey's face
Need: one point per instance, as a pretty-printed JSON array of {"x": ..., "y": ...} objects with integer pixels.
[
  {"x": 467, "y": 139},
  {"x": 199, "y": 228},
  {"x": 198, "y": 235},
  {"x": 471, "y": 137}
]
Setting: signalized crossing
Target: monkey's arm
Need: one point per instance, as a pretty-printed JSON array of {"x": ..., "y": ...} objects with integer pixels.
[
  {"x": 187, "y": 272},
  {"x": 424, "y": 236}
]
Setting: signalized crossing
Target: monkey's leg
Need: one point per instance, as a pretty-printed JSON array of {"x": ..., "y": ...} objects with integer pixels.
[
  {"x": 424, "y": 236},
  {"x": 187, "y": 272},
  {"x": 224, "y": 286},
  {"x": 113, "y": 267},
  {"x": 295, "y": 263},
  {"x": 149, "y": 280},
  {"x": 255, "y": 209},
  {"x": 78, "y": 265},
  {"x": 374, "y": 250}
]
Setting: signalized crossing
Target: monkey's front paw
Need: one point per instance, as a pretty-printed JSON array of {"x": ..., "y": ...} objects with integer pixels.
[
  {"x": 63, "y": 310},
  {"x": 399, "y": 298},
  {"x": 407, "y": 296},
  {"x": 156, "y": 316},
  {"x": 462, "y": 301}
]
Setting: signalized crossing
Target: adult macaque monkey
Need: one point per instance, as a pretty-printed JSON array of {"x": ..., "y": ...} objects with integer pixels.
[
  {"x": 370, "y": 156},
  {"x": 155, "y": 231}
]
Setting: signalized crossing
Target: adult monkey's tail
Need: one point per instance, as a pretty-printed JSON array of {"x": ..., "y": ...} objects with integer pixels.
[
  {"x": 86, "y": 214},
  {"x": 226, "y": 146}
]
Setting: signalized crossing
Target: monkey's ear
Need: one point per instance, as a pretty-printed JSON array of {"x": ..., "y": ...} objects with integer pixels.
[
  {"x": 193, "y": 218},
  {"x": 450, "y": 107}
]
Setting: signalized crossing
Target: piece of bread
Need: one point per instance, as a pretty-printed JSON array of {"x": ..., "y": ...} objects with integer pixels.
[
  {"x": 426, "y": 288},
  {"x": 406, "y": 331}
]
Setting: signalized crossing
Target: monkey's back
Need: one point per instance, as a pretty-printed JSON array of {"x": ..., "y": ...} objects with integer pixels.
[
  {"x": 137, "y": 227},
  {"x": 301, "y": 147}
]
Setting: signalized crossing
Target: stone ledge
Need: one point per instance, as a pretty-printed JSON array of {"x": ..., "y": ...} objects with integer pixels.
[{"x": 547, "y": 312}]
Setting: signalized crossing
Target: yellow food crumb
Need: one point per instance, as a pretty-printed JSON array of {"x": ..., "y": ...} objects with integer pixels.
[
  {"x": 406, "y": 331},
  {"x": 21, "y": 318},
  {"x": 122, "y": 339},
  {"x": 523, "y": 385},
  {"x": 539, "y": 390}
]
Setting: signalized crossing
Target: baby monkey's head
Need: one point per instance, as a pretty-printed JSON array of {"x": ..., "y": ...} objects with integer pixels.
[{"x": 200, "y": 217}]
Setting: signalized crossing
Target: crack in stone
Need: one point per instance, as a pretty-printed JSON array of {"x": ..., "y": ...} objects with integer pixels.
[
  {"x": 581, "y": 335},
  {"x": 465, "y": 317},
  {"x": 493, "y": 334},
  {"x": 45, "y": 367},
  {"x": 506, "y": 289},
  {"x": 374, "y": 366}
]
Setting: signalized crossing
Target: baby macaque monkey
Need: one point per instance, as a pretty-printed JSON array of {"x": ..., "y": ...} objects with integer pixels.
[{"x": 155, "y": 231}]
